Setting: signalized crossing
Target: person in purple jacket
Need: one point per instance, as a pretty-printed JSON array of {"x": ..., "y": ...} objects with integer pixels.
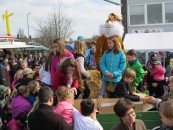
[
  {"x": 60, "y": 52},
  {"x": 20, "y": 104}
]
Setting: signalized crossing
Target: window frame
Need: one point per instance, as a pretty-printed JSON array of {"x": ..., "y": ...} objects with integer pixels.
[
  {"x": 130, "y": 15},
  {"x": 165, "y": 12},
  {"x": 161, "y": 12},
  {"x": 146, "y": 15}
]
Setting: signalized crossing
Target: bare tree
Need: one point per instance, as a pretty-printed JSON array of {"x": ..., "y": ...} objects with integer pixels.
[
  {"x": 20, "y": 33},
  {"x": 56, "y": 25}
]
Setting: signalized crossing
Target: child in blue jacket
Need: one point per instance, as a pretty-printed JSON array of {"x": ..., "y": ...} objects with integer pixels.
[{"x": 112, "y": 64}]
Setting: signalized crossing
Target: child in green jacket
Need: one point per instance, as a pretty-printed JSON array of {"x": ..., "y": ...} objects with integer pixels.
[{"x": 134, "y": 64}]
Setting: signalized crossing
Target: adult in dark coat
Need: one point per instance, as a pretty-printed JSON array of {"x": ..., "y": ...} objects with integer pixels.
[
  {"x": 4, "y": 77},
  {"x": 43, "y": 118}
]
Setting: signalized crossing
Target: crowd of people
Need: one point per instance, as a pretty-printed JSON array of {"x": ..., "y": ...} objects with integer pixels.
[{"x": 37, "y": 93}]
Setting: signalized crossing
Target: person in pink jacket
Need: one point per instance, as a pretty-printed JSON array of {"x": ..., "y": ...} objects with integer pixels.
[
  {"x": 60, "y": 52},
  {"x": 158, "y": 74},
  {"x": 19, "y": 123},
  {"x": 64, "y": 106}
]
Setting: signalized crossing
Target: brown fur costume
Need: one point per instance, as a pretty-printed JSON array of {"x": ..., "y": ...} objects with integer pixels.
[{"x": 101, "y": 45}]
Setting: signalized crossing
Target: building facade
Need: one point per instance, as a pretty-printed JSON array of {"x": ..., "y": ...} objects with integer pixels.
[{"x": 149, "y": 16}]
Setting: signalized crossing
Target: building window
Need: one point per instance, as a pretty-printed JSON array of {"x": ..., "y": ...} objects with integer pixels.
[
  {"x": 154, "y": 13},
  {"x": 136, "y": 15},
  {"x": 169, "y": 12}
]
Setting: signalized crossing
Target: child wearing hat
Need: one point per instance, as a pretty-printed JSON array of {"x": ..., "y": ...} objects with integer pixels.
[
  {"x": 159, "y": 80},
  {"x": 80, "y": 38},
  {"x": 158, "y": 71},
  {"x": 157, "y": 101},
  {"x": 3, "y": 94}
]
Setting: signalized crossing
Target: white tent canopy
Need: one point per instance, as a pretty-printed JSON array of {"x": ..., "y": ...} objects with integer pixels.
[
  {"x": 149, "y": 42},
  {"x": 4, "y": 45}
]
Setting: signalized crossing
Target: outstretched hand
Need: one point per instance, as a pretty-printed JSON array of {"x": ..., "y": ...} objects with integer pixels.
[
  {"x": 74, "y": 90},
  {"x": 152, "y": 100}
]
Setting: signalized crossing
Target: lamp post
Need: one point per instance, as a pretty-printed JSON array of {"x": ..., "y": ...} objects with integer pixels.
[
  {"x": 28, "y": 23},
  {"x": 124, "y": 13},
  {"x": 112, "y": 2}
]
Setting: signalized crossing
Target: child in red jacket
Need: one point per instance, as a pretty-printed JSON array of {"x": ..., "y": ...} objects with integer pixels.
[{"x": 68, "y": 75}]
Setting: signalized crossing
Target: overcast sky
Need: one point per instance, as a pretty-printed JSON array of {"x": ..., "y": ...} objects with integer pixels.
[{"x": 87, "y": 15}]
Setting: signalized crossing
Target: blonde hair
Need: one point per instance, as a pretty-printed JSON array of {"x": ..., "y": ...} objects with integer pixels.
[
  {"x": 171, "y": 62},
  {"x": 130, "y": 73},
  {"x": 32, "y": 85},
  {"x": 166, "y": 109},
  {"x": 61, "y": 45},
  {"x": 22, "y": 90},
  {"x": 18, "y": 73},
  {"x": 80, "y": 48},
  {"x": 24, "y": 62},
  {"x": 64, "y": 93}
]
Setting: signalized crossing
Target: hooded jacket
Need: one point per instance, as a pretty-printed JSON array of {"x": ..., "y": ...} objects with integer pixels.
[
  {"x": 158, "y": 73},
  {"x": 20, "y": 105},
  {"x": 113, "y": 63}
]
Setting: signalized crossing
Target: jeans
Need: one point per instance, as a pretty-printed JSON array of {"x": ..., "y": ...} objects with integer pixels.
[
  {"x": 104, "y": 87},
  {"x": 46, "y": 85}
]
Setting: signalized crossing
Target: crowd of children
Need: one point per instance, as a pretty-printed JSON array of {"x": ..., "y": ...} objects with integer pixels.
[
  {"x": 59, "y": 78},
  {"x": 22, "y": 77}
]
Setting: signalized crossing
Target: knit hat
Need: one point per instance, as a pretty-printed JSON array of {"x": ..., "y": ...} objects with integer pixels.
[
  {"x": 156, "y": 62},
  {"x": 80, "y": 38},
  {"x": 27, "y": 71},
  {"x": 3, "y": 90}
]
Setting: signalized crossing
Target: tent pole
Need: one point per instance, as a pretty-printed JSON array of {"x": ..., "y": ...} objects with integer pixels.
[{"x": 146, "y": 57}]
